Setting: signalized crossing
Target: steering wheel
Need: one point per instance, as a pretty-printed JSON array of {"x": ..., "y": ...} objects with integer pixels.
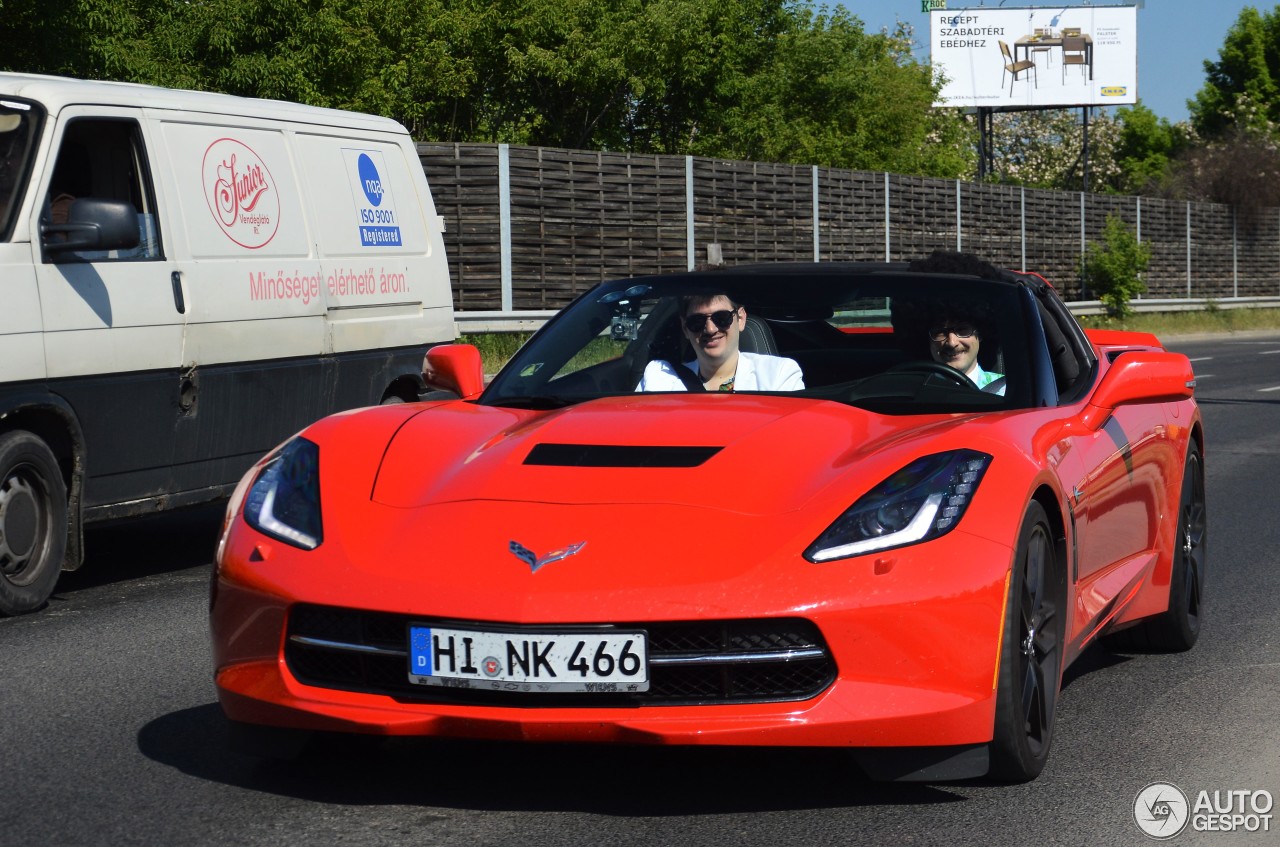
[{"x": 936, "y": 368}]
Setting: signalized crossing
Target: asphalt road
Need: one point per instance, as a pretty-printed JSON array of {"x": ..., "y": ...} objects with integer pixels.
[{"x": 110, "y": 733}]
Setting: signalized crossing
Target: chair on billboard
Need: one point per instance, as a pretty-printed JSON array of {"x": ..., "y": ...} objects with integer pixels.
[
  {"x": 1046, "y": 49},
  {"x": 1015, "y": 68},
  {"x": 1073, "y": 53}
]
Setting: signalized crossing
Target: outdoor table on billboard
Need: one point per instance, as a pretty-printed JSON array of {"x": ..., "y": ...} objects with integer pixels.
[
  {"x": 1040, "y": 42},
  {"x": 1036, "y": 57}
]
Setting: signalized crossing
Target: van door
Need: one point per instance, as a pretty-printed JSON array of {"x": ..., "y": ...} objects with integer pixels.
[
  {"x": 255, "y": 336},
  {"x": 382, "y": 253},
  {"x": 113, "y": 320}
]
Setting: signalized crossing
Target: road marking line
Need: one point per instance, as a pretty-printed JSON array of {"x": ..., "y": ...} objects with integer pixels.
[
  {"x": 1267, "y": 352},
  {"x": 1272, "y": 388},
  {"x": 1201, "y": 359}
]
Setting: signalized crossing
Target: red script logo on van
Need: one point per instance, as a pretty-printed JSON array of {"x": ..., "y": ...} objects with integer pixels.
[{"x": 241, "y": 193}]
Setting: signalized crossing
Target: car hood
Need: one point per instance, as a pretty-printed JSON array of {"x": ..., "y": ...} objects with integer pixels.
[{"x": 749, "y": 454}]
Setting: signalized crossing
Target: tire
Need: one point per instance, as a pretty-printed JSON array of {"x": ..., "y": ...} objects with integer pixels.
[
  {"x": 1178, "y": 628},
  {"x": 33, "y": 522},
  {"x": 1030, "y": 656}
]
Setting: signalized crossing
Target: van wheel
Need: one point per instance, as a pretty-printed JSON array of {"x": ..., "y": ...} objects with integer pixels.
[{"x": 33, "y": 522}]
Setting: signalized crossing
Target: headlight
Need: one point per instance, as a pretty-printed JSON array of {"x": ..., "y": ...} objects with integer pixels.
[
  {"x": 923, "y": 500},
  {"x": 284, "y": 501}
]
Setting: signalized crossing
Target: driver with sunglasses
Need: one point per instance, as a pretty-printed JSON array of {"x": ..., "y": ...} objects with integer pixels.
[
  {"x": 954, "y": 334},
  {"x": 955, "y": 343},
  {"x": 713, "y": 325}
]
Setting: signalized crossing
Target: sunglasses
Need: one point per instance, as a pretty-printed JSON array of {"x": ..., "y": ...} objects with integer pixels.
[
  {"x": 940, "y": 333},
  {"x": 722, "y": 320}
]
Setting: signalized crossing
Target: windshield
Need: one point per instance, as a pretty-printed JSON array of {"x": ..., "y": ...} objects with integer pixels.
[
  {"x": 19, "y": 122},
  {"x": 886, "y": 340}
]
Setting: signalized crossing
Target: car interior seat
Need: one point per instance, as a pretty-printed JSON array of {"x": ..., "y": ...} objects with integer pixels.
[{"x": 757, "y": 337}]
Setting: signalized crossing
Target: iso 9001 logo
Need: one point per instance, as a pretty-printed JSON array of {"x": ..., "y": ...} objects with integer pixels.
[{"x": 1161, "y": 810}]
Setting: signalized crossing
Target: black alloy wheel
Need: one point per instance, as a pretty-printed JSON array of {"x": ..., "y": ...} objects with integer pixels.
[
  {"x": 1031, "y": 655},
  {"x": 1178, "y": 628},
  {"x": 1190, "y": 558}
]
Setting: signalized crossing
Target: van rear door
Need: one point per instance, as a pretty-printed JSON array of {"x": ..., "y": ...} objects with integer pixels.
[{"x": 387, "y": 279}]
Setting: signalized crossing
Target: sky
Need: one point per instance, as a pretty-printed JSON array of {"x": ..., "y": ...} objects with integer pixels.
[{"x": 1175, "y": 37}]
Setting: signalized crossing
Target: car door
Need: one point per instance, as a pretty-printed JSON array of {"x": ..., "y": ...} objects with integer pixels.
[
  {"x": 113, "y": 329},
  {"x": 1119, "y": 488}
]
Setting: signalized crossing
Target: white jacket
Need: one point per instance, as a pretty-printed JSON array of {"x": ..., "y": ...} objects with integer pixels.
[{"x": 756, "y": 372}]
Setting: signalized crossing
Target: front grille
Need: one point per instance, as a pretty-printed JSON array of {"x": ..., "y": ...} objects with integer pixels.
[{"x": 690, "y": 662}]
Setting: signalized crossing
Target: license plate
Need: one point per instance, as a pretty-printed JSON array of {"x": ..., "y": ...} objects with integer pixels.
[{"x": 604, "y": 662}]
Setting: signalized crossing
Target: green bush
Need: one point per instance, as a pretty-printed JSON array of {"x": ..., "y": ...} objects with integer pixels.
[
  {"x": 1113, "y": 269},
  {"x": 495, "y": 347}
]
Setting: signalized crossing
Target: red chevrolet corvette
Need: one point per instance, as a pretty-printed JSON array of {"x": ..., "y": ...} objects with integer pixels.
[{"x": 895, "y": 552}]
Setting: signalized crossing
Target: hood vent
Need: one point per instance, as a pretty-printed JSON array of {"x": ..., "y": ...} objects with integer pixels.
[{"x": 618, "y": 456}]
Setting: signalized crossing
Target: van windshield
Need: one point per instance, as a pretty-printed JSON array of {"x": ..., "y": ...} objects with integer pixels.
[{"x": 19, "y": 122}]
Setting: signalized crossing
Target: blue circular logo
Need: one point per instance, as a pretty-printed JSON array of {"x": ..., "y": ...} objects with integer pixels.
[{"x": 370, "y": 181}]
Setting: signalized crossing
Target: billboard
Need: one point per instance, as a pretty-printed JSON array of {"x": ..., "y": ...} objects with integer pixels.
[{"x": 1043, "y": 56}]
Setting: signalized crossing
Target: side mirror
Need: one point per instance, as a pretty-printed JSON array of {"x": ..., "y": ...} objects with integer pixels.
[
  {"x": 454, "y": 367},
  {"x": 93, "y": 224},
  {"x": 1141, "y": 377}
]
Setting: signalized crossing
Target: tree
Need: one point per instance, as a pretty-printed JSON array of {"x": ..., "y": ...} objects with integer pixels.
[
  {"x": 1113, "y": 269},
  {"x": 1145, "y": 152},
  {"x": 40, "y": 38},
  {"x": 95, "y": 39},
  {"x": 398, "y": 58},
  {"x": 394, "y": 57},
  {"x": 1236, "y": 116},
  {"x": 829, "y": 93},
  {"x": 1044, "y": 148},
  {"x": 767, "y": 79},
  {"x": 1240, "y": 167},
  {"x": 1248, "y": 67}
]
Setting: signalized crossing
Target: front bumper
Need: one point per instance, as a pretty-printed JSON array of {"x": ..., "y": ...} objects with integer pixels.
[{"x": 914, "y": 639}]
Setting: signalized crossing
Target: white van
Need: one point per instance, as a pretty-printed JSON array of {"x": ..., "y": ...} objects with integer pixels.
[{"x": 186, "y": 279}]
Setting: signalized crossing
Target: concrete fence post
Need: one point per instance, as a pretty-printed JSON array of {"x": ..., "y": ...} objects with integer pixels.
[
  {"x": 888, "y": 250},
  {"x": 504, "y": 224},
  {"x": 690, "y": 246},
  {"x": 817, "y": 241}
]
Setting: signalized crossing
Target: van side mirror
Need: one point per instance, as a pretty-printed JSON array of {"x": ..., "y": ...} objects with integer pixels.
[
  {"x": 1141, "y": 377},
  {"x": 454, "y": 367},
  {"x": 93, "y": 224}
]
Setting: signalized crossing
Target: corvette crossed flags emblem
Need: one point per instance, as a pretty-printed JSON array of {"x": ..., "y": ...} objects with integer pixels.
[{"x": 530, "y": 558}]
